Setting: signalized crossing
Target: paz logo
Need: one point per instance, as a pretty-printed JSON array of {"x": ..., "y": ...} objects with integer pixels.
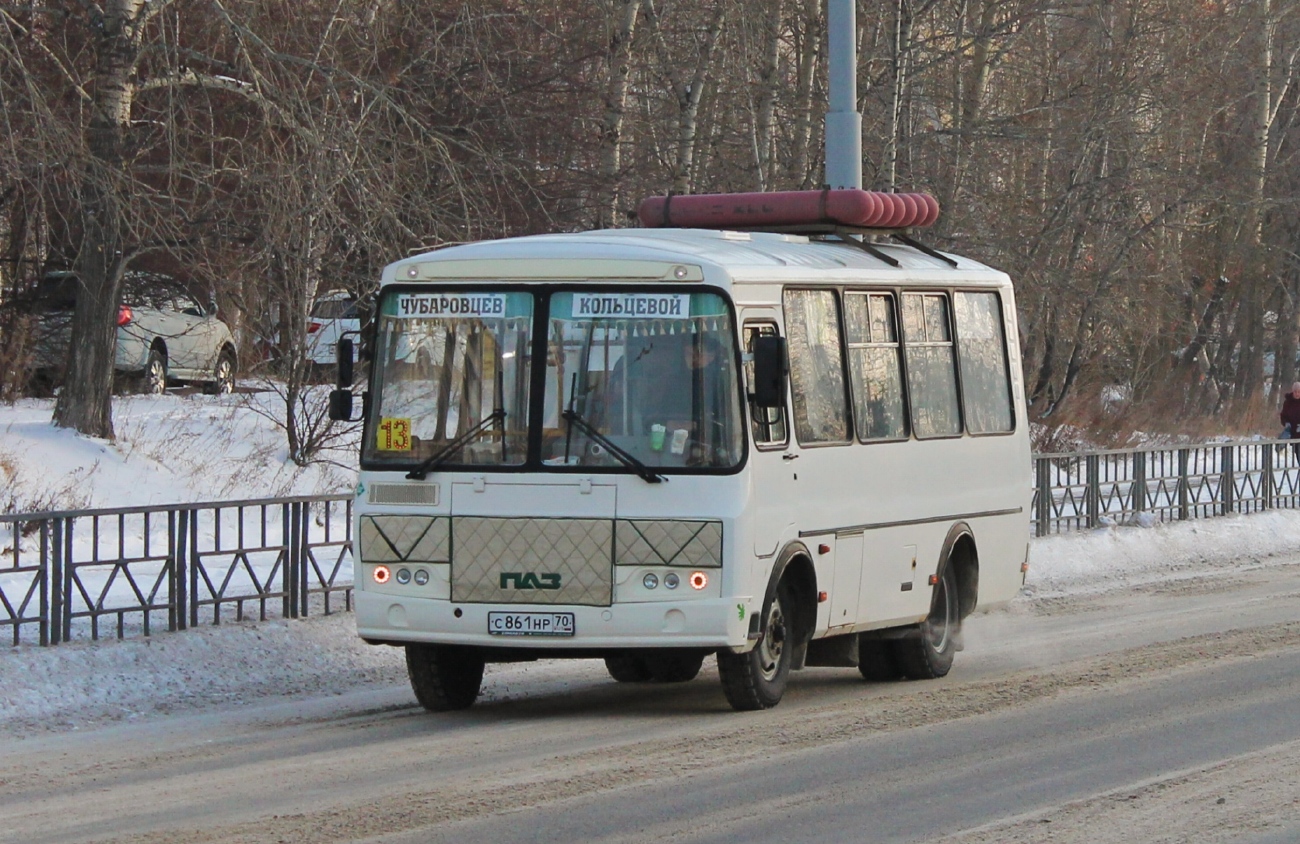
[
  {"x": 740, "y": 611},
  {"x": 529, "y": 580}
]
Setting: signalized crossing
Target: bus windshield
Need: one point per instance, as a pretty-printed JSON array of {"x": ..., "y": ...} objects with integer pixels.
[
  {"x": 634, "y": 381},
  {"x": 450, "y": 379},
  {"x": 653, "y": 373}
]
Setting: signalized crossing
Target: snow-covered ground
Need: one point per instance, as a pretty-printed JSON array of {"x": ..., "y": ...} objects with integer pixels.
[
  {"x": 177, "y": 448},
  {"x": 199, "y": 448}
]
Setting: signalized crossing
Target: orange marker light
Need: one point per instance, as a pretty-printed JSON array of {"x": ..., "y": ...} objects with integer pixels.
[
  {"x": 699, "y": 580},
  {"x": 382, "y": 574}
]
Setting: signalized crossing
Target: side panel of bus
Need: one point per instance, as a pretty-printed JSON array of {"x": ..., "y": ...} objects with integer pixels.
[{"x": 904, "y": 428}]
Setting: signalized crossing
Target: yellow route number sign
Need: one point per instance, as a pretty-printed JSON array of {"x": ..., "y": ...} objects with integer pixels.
[{"x": 394, "y": 434}]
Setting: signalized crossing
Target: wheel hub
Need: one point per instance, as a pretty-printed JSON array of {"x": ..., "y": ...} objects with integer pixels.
[{"x": 773, "y": 641}]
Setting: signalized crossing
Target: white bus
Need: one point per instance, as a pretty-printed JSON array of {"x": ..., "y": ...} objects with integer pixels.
[{"x": 652, "y": 445}]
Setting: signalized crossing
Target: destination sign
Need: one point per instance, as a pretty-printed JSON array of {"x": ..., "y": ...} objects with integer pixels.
[
  {"x": 453, "y": 305},
  {"x": 624, "y": 305}
]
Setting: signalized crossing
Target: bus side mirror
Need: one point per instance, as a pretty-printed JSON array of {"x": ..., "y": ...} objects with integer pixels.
[
  {"x": 343, "y": 353},
  {"x": 341, "y": 405},
  {"x": 771, "y": 370}
]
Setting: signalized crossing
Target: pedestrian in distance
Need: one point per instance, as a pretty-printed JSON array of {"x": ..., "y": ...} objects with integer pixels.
[{"x": 1291, "y": 419}]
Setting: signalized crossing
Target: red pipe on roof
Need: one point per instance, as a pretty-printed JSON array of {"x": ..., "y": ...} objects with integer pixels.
[{"x": 849, "y": 207}]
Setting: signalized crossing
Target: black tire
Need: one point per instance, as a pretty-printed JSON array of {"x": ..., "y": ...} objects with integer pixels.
[
  {"x": 444, "y": 677},
  {"x": 927, "y": 652},
  {"x": 223, "y": 376},
  {"x": 671, "y": 667},
  {"x": 757, "y": 679},
  {"x": 153, "y": 378},
  {"x": 876, "y": 660},
  {"x": 627, "y": 668}
]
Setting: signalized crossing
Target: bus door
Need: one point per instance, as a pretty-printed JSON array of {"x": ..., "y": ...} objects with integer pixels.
[{"x": 770, "y": 466}]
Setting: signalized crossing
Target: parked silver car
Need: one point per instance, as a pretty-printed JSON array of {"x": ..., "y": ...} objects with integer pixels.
[{"x": 163, "y": 334}]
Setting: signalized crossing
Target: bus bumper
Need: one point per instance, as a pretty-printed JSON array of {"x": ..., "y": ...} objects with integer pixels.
[{"x": 697, "y": 623}]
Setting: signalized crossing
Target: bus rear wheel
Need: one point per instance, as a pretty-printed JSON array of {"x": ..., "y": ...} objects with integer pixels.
[
  {"x": 444, "y": 677},
  {"x": 757, "y": 679},
  {"x": 927, "y": 653}
]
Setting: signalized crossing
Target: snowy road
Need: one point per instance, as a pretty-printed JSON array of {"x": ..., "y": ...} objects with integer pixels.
[{"x": 1150, "y": 708}]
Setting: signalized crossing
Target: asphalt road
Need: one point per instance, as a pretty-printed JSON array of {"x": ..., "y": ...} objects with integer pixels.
[{"x": 1166, "y": 712}]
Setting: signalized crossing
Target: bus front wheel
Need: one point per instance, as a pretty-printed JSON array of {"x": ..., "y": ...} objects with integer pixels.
[
  {"x": 927, "y": 653},
  {"x": 757, "y": 679},
  {"x": 444, "y": 677}
]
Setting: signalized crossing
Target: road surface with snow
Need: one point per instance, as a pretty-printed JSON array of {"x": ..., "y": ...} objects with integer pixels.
[{"x": 1145, "y": 687}]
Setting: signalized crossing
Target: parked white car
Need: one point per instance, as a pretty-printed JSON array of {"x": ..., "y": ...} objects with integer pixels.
[
  {"x": 163, "y": 334},
  {"x": 334, "y": 314}
]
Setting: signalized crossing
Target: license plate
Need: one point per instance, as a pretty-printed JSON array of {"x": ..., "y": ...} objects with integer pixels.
[{"x": 530, "y": 623}]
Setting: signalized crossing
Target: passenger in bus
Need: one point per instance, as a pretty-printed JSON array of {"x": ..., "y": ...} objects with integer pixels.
[{"x": 1291, "y": 418}]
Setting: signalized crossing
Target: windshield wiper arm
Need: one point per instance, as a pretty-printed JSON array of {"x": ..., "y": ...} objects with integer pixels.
[
  {"x": 575, "y": 420},
  {"x": 440, "y": 457}
]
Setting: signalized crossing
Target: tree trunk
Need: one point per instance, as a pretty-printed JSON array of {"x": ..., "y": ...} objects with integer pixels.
[
  {"x": 765, "y": 119},
  {"x": 801, "y": 170},
  {"x": 85, "y": 402},
  {"x": 620, "y": 71}
]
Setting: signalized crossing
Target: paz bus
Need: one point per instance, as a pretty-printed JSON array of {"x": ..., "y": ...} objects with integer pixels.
[{"x": 757, "y": 427}]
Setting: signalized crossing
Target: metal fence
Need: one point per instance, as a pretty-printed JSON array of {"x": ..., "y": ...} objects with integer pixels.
[
  {"x": 128, "y": 571},
  {"x": 133, "y": 570},
  {"x": 1166, "y": 483}
]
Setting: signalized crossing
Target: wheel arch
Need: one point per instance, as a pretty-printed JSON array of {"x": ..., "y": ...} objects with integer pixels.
[
  {"x": 795, "y": 561},
  {"x": 228, "y": 350},
  {"x": 961, "y": 553}
]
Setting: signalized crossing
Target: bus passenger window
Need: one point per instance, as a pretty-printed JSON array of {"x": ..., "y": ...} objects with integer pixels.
[
  {"x": 768, "y": 423},
  {"x": 816, "y": 366},
  {"x": 875, "y": 365},
  {"x": 931, "y": 368},
  {"x": 985, "y": 383}
]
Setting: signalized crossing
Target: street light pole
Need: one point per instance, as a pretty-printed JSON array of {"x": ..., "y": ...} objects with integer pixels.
[{"x": 843, "y": 122}]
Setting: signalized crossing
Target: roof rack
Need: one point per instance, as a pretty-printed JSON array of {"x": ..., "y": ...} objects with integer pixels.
[{"x": 851, "y": 235}]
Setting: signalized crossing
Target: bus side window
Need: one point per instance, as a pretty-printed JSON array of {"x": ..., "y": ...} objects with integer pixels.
[
  {"x": 812, "y": 330},
  {"x": 931, "y": 365},
  {"x": 875, "y": 365},
  {"x": 768, "y": 423},
  {"x": 985, "y": 380}
]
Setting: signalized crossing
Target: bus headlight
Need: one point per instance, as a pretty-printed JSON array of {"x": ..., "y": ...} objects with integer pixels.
[
  {"x": 421, "y": 577},
  {"x": 382, "y": 574},
  {"x": 699, "y": 580},
  {"x": 671, "y": 580},
  {"x": 650, "y": 581}
]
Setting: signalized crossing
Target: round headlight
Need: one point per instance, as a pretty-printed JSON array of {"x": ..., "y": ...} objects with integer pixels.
[
  {"x": 671, "y": 580},
  {"x": 650, "y": 581},
  {"x": 421, "y": 577},
  {"x": 403, "y": 575}
]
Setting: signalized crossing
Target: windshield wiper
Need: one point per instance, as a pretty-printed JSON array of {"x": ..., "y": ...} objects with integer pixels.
[
  {"x": 441, "y": 456},
  {"x": 575, "y": 420}
]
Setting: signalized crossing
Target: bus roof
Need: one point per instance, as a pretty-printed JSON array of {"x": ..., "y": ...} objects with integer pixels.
[{"x": 665, "y": 254}]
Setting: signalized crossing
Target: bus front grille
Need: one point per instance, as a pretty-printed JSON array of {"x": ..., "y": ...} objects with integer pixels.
[{"x": 532, "y": 561}]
